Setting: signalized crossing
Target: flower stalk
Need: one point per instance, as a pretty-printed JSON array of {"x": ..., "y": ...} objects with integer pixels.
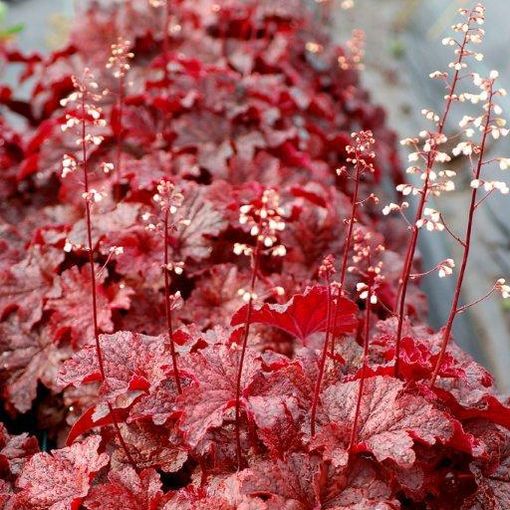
[
  {"x": 264, "y": 217},
  {"x": 431, "y": 155},
  {"x": 364, "y": 367},
  {"x": 84, "y": 97},
  {"x": 119, "y": 63},
  {"x": 361, "y": 156},
  {"x": 488, "y": 85},
  {"x": 325, "y": 271},
  {"x": 169, "y": 199}
]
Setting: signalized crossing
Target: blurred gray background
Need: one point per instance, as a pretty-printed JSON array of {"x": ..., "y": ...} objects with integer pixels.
[{"x": 403, "y": 45}]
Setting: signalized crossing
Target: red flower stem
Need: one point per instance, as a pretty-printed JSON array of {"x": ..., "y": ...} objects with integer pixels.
[
  {"x": 88, "y": 221},
  {"x": 347, "y": 247},
  {"x": 168, "y": 309},
  {"x": 413, "y": 241},
  {"x": 249, "y": 309},
  {"x": 118, "y": 162},
  {"x": 322, "y": 364},
  {"x": 166, "y": 39},
  {"x": 350, "y": 230},
  {"x": 454, "y": 310},
  {"x": 366, "y": 343}
]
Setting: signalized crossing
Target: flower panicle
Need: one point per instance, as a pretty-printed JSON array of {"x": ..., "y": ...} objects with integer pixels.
[
  {"x": 119, "y": 61},
  {"x": 367, "y": 265},
  {"x": 84, "y": 118},
  {"x": 354, "y": 53},
  {"x": 265, "y": 219}
]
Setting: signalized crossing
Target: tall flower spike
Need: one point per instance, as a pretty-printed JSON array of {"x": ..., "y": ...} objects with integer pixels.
[
  {"x": 84, "y": 115},
  {"x": 169, "y": 199},
  {"x": 119, "y": 64},
  {"x": 265, "y": 219},
  {"x": 427, "y": 150},
  {"x": 360, "y": 158},
  {"x": 371, "y": 276},
  {"x": 488, "y": 123},
  {"x": 361, "y": 162}
]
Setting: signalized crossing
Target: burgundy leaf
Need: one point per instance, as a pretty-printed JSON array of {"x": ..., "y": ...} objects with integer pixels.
[
  {"x": 61, "y": 479},
  {"x": 126, "y": 489},
  {"x": 391, "y": 420},
  {"x": 72, "y": 308},
  {"x": 205, "y": 402}
]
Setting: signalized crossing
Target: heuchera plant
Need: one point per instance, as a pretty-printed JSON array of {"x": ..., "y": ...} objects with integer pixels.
[{"x": 202, "y": 304}]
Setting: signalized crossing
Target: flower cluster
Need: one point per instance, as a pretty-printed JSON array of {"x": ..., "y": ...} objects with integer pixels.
[
  {"x": 83, "y": 118},
  {"x": 265, "y": 219},
  {"x": 119, "y": 60}
]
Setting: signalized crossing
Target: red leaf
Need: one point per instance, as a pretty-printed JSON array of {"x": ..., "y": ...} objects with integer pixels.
[
  {"x": 296, "y": 481},
  {"x": 15, "y": 451},
  {"x": 193, "y": 239},
  {"x": 302, "y": 482},
  {"x": 205, "y": 402},
  {"x": 60, "y": 480},
  {"x": 142, "y": 255},
  {"x": 26, "y": 285},
  {"x": 492, "y": 478},
  {"x": 127, "y": 490},
  {"x": 133, "y": 364},
  {"x": 72, "y": 308},
  {"x": 85, "y": 423},
  {"x": 28, "y": 357},
  {"x": 279, "y": 404},
  {"x": 390, "y": 419},
  {"x": 150, "y": 446},
  {"x": 120, "y": 219},
  {"x": 303, "y": 315}
]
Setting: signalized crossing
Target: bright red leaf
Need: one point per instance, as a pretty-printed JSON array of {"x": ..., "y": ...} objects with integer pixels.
[{"x": 303, "y": 315}]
